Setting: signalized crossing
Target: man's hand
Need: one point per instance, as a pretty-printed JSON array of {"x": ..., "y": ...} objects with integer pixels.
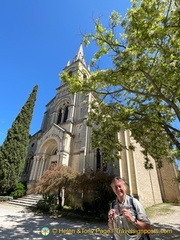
[
  {"x": 111, "y": 214},
  {"x": 128, "y": 215}
]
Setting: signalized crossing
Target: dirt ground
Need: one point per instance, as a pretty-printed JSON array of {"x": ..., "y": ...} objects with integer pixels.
[{"x": 168, "y": 218}]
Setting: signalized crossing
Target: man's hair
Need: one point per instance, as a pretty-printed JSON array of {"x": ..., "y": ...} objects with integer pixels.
[{"x": 118, "y": 179}]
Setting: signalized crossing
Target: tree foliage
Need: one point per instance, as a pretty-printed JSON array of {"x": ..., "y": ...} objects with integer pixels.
[
  {"x": 92, "y": 187},
  {"x": 14, "y": 148},
  {"x": 96, "y": 188},
  {"x": 142, "y": 90},
  {"x": 54, "y": 180},
  {"x": 57, "y": 177}
]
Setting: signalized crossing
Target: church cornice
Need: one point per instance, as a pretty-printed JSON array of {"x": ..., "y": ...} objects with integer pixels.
[
  {"x": 62, "y": 86},
  {"x": 62, "y": 129},
  {"x": 34, "y": 136},
  {"x": 49, "y": 128},
  {"x": 50, "y": 101}
]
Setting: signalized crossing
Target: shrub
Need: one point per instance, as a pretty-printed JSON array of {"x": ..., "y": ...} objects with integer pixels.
[
  {"x": 50, "y": 198},
  {"x": 5, "y": 198},
  {"x": 43, "y": 206},
  {"x": 97, "y": 193},
  {"x": 19, "y": 191}
]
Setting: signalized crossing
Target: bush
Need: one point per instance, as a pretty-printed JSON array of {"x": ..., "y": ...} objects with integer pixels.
[
  {"x": 88, "y": 206},
  {"x": 50, "y": 198},
  {"x": 19, "y": 191},
  {"x": 43, "y": 206},
  {"x": 5, "y": 198},
  {"x": 98, "y": 194}
]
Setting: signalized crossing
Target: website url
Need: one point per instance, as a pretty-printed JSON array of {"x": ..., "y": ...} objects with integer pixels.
[{"x": 142, "y": 231}]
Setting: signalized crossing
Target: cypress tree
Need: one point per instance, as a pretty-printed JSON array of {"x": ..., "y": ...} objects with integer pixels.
[{"x": 14, "y": 148}]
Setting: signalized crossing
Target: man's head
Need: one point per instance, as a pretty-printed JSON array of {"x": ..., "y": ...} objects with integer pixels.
[{"x": 119, "y": 187}]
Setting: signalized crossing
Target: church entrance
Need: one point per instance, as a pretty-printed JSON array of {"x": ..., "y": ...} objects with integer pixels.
[
  {"x": 47, "y": 155},
  {"x": 51, "y": 153}
]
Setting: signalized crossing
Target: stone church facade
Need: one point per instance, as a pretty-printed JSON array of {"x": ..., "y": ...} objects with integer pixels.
[{"x": 64, "y": 138}]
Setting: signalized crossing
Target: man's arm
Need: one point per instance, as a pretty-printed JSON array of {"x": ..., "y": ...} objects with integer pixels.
[{"x": 110, "y": 219}]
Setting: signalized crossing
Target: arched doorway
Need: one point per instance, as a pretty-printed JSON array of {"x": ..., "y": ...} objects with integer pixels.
[{"x": 50, "y": 152}]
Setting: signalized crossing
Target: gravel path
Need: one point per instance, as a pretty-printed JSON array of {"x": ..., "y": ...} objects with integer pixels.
[{"x": 18, "y": 223}]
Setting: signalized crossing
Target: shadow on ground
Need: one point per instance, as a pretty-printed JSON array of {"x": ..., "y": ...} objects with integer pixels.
[
  {"x": 166, "y": 231},
  {"x": 27, "y": 226}
]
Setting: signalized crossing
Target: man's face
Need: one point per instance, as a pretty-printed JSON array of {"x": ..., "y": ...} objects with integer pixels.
[{"x": 119, "y": 188}]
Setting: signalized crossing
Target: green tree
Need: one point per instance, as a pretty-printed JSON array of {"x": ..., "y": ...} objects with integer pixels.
[
  {"x": 14, "y": 148},
  {"x": 142, "y": 90}
]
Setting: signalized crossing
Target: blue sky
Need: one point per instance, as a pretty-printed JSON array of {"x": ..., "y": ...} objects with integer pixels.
[{"x": 37, "y": 38}]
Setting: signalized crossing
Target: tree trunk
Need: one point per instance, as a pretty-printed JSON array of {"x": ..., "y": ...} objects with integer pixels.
[{"x": 59, "y": 198}]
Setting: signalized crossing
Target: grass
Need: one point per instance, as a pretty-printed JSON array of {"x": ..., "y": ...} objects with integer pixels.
[{"x": 160, "y": 209}]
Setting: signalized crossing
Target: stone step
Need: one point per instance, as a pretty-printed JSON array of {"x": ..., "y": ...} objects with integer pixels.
[
  {"x": 28, "y": 200},
  {"x": 32, "y": 197},
  {"x": 22, "y": 204},
  {"x": 24, "y": 200}
]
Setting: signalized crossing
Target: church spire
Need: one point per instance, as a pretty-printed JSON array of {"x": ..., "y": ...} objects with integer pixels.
[
  {"x": 78, "y": 64},
  {"x": 68, "y": 63},
  {"x": 80, "y": 55}
]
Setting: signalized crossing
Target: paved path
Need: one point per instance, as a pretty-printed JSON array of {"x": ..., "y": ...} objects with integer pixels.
[{"x": 18, "y": 223}]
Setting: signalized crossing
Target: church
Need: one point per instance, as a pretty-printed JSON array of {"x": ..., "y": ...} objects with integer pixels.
[{"x": 64, "y": 138}]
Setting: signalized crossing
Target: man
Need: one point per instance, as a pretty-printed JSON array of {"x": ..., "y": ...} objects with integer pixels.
[{"x": 127, "y": 217}]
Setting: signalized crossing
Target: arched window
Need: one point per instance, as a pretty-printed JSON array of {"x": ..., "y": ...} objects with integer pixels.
[
  {"x": 65, "y": 114},
  {"x": 98, "y": 159},
  {"x": 59, "y": 117}
]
